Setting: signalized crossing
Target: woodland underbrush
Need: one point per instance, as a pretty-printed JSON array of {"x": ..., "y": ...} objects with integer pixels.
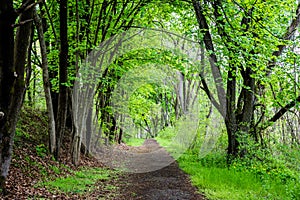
[
  {"x": 262, "y": 174},
  {"x": 34, "y": 173}
]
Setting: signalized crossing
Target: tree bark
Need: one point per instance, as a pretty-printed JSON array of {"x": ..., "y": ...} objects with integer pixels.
[
  {"x": 237, "y": 115},
  {"x": 13, "y": 55},
  {"x": 216, "y": 72},
  {"x": 283, "y": 110},
  {"x": 238, "y": 112},
  {"x": 63, "y": 78},
  {"x": 46, "y": 82},
  {"x": 81, "y": 104}
]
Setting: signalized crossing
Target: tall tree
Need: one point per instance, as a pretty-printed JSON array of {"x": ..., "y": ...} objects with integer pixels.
[
  {"x": 63, "y": 77},
  {"x": 238, "y": 34},
  {"x": 104, "y": 21},
  {"x": 13, "y": 55},
  {"x": 46, "y": 83}
]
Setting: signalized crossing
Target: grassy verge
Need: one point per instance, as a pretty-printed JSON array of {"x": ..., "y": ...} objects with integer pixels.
[
  {"x": 174, "y": 144},
  {"x": 81, "y": 182},
  {"x": 271, "y": 173},
  {"x": 216, "y": 181},
  {"x": 134, "y": 141}
]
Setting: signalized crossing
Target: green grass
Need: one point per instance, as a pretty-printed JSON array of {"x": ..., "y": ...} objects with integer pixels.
[
  {"x": 166, "y": 143},
  {"x": 173, "y": 147},
  {"x": 218, "y": 182},
  {"x": 134, "y": 142},
  {"x": 273, "y": 176},
  {"x": 167, "y": 139},
  {"x": 82, "y": 181}
]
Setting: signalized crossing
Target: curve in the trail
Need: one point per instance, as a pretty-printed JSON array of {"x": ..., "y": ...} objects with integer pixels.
[{"x": 146, "y": 158}]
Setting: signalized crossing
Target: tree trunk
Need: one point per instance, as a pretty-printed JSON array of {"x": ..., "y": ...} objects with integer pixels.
[
  {"x": 89, "y": 130},
  {"x": 46, "y": 83},
  {"x": 29, "y": 71},
  {"x": 63, "y": 78},
  {"x": 13, "y": 55},
  {"x": 82, "y": 103}
]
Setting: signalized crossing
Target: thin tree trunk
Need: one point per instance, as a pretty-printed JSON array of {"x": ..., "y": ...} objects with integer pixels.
[
  {"x": 29, "y": 71},
  {"x": 89, "y": 129},
  {"x": 82, "y": 105},
  {"x": 46, "y": 82}
]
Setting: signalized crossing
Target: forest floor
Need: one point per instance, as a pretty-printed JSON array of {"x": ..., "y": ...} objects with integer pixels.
[
  {"x": 158, "y": 176},
  {"x": 151, "y": 172}
]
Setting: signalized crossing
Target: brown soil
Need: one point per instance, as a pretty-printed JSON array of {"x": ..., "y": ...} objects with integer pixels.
[{"x": 167, "y": 183}]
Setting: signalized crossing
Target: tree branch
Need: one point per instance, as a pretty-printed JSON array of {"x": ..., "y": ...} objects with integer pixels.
[
  {"x": 22, "y": 23},
  {"x": 209, "y": 95},
  {"x": 26, "y": 7},
  {"x": 283, "y": 110},
  {"x": 212, "y": 56}
]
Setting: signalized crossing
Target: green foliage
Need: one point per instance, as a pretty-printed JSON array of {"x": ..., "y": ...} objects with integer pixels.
[
  {"x": 142, "y": 104},
  {"x": 55, "y": 169},
  {"x": 215, "y": 159},
  {"x": 41, "y": 150},
  {"x": 165, "y": 136},
  {"x": 32, "y": 125},
  {"x": 20, "y": 133},
  {"x": 134, "y": 141},
  {"x": 178, "y": 138},
  {"x": 82, "y": 181},
  {"x": 216, "y": 181},
  {"x": 262, "y": 174},
  {"x": 165, "y": 139}
]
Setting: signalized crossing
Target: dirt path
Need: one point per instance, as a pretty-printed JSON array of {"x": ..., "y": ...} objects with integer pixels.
[
  {"x": 167, "y": 182},
  {"x": 152, "y": 174}
]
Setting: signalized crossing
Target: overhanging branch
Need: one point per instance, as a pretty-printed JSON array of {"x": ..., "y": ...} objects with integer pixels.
[{"x": 283, "y": 110}]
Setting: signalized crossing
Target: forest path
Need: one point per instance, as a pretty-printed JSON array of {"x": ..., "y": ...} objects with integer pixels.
[{"x": 167, "y": 182}]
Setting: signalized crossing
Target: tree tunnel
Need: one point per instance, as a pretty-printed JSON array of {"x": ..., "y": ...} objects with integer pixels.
[{"x": 137, "y": 84}]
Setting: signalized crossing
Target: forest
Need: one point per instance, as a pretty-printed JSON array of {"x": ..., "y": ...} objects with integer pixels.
[{"x": 97, "y": 95}]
